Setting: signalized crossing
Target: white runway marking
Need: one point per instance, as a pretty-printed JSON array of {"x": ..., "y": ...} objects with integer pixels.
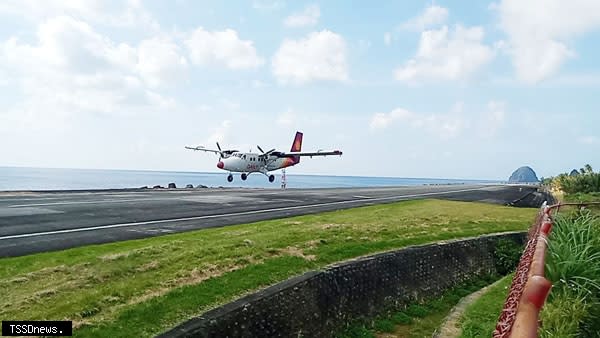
[
  {"x": 116, "y": 200},
  {"x": 241, "y": 213}
]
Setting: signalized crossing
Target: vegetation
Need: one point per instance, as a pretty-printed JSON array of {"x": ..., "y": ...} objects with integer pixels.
[
  {"x": 480, "y": 318},
  {"x": 582, "y": 197},
  {"x": 417, "y": 320},
  {"x": 573, "y": 266},
  {"x": 506, "y": 256},
  {"x": 142, "y": 287},
  {"x": 583, "y": 181}
]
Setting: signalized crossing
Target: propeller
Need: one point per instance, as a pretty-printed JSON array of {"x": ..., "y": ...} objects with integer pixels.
[
  {"x": 225, "y": 153},
  {"x": 265, "y": 154}
]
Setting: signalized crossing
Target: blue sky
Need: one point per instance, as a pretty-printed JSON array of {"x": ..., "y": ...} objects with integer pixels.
[{"x": 408, "y": 89}]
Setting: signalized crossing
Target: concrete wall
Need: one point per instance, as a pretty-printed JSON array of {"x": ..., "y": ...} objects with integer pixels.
[{"x": 319, "y": 303}]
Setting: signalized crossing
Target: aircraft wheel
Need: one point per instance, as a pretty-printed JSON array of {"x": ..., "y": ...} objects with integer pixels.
[
  {"x": 230, "y": 178},
  {"x": 271, "y": 178},
  {"x": 244, "y": 176}
]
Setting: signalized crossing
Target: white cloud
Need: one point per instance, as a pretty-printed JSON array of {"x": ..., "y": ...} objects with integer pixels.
[
  {"x": 308, "y": 17},
  {"x": 159, "y": 61},
  {"x": 222, "y": 47},
  {"x": 387, "y": 38},
  {"x": 70, "y": 68},
  {"x": 431, "y": 16},
  {"x": 384, "y": 120},
  {"x": 540, "y": 31},
  {"x": 444, "y": 55},
  {"x": 589, "y": 140},
  {"x": 319, "y": 56},
  {"x": 129, "y": 14},
  {"x": 442, "y": 125}
]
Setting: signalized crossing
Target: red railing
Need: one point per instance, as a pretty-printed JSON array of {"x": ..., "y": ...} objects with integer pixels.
[{"x": 530, "y": 264}]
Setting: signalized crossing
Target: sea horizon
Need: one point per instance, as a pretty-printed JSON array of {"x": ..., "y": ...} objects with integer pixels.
[{"x": 15, "y": 178}]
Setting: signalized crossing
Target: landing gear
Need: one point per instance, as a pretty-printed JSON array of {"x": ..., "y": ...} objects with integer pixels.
[
  {"x": 230, "y": 178},
  {"x": 244, "y": 176},
  {"x": 271, "y": 178}
]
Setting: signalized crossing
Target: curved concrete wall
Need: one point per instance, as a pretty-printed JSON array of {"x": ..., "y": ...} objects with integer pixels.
[{"x": 319, "y": 303}]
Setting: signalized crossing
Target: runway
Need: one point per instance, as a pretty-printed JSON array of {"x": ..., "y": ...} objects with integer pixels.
[{"x": 32, "y": 222}]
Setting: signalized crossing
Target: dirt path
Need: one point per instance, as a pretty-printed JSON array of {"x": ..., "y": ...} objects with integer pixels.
[{"x": 450, "y": 328}]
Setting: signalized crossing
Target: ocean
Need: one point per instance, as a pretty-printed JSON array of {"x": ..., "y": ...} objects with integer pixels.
[{"x": 20, "y": 178}]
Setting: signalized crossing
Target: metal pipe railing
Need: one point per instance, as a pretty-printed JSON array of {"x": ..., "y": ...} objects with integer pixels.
[{"x": 531, "y": 264}]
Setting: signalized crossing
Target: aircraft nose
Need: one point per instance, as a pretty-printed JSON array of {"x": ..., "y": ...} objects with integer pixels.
[{"x": 220, "y": 165}]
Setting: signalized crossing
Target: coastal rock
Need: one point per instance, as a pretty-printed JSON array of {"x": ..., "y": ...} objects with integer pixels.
[
  {"x": 189, "y": 186},
  {"x": 157, "y": 187},
  {"x": 172, "y": 186},
  {"x": 523, "y": 175},
  {"x": 201, "y": 186}
]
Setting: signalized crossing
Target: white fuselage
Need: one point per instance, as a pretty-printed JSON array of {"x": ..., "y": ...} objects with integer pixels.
[{"x": 253, "y": 162}]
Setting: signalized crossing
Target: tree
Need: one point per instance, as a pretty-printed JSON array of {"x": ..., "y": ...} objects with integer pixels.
[{"x": 588, "y": 169}]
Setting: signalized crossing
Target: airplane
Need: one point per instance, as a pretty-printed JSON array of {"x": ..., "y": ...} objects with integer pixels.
[{"x": 248, "y": 163}]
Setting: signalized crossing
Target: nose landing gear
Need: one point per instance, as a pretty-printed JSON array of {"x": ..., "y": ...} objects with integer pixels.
[
  {"x": 230, "y": 178},
  {"x": 271, "y": 178}
]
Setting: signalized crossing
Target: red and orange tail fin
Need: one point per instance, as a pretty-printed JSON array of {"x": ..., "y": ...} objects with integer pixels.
[{"x": 297, "y": 145}]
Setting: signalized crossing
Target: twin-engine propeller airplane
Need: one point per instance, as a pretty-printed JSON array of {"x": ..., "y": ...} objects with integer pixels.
[{"x": 247, "y": 163}]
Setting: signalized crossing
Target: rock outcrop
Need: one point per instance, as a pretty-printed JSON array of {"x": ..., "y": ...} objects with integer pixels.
[{"x": 523, "y": 175}]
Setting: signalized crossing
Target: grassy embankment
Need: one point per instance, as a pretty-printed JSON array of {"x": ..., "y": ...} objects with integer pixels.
[{"x": 142, "y": 287}]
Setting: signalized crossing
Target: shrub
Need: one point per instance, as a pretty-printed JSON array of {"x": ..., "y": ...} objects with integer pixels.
[
  {"x": 506, "y": 256},
  {"x": 402, "y": 318},
  {"x": 384, "y": 325},
  {"x": 416, "y": 310}
]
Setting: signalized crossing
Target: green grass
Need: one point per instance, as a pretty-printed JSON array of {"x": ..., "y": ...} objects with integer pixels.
[
  {"x": 142, "y": 287},
  {"x": 573, "y": 267},
  {"x": 419, "y": 319},
  {"x": 480, "y": 318}
]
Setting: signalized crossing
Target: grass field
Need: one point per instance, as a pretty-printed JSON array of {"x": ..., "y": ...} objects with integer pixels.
[{"x": 142, "y": 287}]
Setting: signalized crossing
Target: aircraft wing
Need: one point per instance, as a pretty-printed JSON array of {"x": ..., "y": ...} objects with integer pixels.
[
  {"x": 201, "y": 148},
  {"x": 311, "y": 154}
]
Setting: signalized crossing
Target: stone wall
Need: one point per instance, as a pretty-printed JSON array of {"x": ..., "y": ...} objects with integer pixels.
[{"x": 320, "y": 303}]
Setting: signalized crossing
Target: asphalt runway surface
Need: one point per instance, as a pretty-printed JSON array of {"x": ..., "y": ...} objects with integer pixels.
[{"x": 32, "y": 222}]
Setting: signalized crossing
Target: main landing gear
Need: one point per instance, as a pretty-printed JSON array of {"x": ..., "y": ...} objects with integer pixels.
[{"x": 244, "y": 176}]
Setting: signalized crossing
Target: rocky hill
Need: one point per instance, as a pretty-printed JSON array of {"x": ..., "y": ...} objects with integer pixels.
[{"x": 523, "y": 175}]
